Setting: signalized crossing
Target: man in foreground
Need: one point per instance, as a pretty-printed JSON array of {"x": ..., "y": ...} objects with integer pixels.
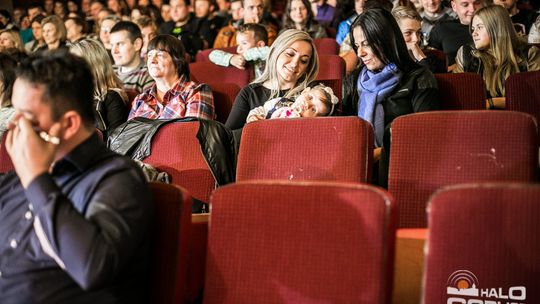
[{"x": 74, "y": 216}]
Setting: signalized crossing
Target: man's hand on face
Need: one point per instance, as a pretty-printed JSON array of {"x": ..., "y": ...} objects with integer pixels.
[
  {"x": 31, "y": 153},
  {"x": 416, "y": 51}
]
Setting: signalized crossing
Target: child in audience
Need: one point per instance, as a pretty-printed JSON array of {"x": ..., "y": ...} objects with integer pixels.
[
  {"x": 252, "y": 40},
  {"x": 317, "y": 101}
]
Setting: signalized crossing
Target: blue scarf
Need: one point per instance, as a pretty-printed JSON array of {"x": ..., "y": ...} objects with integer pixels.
[{"x": 373, "y": 88}]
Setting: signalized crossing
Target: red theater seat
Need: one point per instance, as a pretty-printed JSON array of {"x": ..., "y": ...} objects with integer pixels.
[
  {"x": 486, "y": 236},
  {"x": 434, "y": 149},
  {"x": 322, "y": 148},
  {"x": 310, "y": 242}
]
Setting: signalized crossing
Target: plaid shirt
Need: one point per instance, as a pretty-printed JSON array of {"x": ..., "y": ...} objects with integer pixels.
[{"x": 184, "y": 99}]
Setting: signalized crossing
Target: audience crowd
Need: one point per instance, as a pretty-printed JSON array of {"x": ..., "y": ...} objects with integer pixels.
[{"x": 137, "y": 55}]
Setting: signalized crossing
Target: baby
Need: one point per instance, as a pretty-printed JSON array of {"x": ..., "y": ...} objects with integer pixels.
[{"x": 317, "y": 101}]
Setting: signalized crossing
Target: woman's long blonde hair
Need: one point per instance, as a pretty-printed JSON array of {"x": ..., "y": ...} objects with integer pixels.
[
  {"x": 502, "y": 57},
  {"x": 282, "y": 42},
  {"x": 97, "y": 57}
]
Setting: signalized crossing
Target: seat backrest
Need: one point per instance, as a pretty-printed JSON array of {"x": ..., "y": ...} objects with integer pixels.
[
  {"x": 6, "y": 164},
  {"x": 131, "y": 94},
  {"x": 483, "y": 243},
  {"x": 224, "y": 97},
  {"x": 306, "y": 242},
  {"x": 326, "y": 46},
  {"x": 461, "y": 91},
  {"x": 207, "y": 72},
  {"x": 441, "y": 64},
  {"x": 172, "y": 206},
  {"x": 322, "y": 148},
  {"x": 176, "y": 150},
  {"x": 331, "y": 73},
  {"x": 204, "y": 54},
  {"x": 434, "y": 149},
  {"x": 523, "y": 93}
]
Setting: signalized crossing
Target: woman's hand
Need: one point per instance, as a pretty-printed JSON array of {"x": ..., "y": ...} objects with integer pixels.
[{"x": 253, "y": 118}]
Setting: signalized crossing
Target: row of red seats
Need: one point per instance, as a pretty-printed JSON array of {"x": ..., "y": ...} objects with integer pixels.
[
  {"x": 332, "y": 242},
  {"x": 429, "y": 150}
]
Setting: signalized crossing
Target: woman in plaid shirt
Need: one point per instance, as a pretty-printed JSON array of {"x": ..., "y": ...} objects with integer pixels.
[{"x": 173, "y": 95}]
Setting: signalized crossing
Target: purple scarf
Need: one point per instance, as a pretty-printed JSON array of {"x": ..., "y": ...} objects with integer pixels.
[{"x": 373, "y": 88}]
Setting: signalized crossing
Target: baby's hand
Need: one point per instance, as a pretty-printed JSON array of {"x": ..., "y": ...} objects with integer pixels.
[
  {"x": 238, "y": 61},
  {"x": 253, "y": 118}
]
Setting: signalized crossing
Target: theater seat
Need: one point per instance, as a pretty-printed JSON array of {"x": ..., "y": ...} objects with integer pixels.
[
  {"x": 483, "y": 244},
  {"x": 322, "y": 148},
  {"x": 523, "y": 93},
  {"x": 169, "y": 267},
  {"x": 461, "y": 91},
  {"x": 310, "y": 242},
  {"x": 207, "y": 72},
  {"x": 224, "y": 97},
  {"x": 434, "y": 149}
]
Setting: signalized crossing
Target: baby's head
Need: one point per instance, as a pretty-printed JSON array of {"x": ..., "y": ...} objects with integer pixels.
[
  {"x": 316, "y": 101},
  {"x": 250, "y": 35}
]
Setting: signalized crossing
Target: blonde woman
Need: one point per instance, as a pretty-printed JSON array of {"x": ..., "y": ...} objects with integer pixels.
[
  {"x": 291, "y": 65},
  {"x": 498, "y": 52},
  {"x": 54, "y": 33},
  {"x": 10, "y": 39},
  {"x": 110, "y": 109}
]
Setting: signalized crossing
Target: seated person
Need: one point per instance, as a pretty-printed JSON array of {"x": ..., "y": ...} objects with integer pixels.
[
  {"x": 194, "y": 32},
  {"x": 498, "y": 52},
  {"x": 409, "y": 22},
  {"x": 317, "y": 101},
  {"x": 254, "y": 12},
  {"x": 8, "y": 64},
  {"x": 252, "y": 40},
  {"x": 434, "y": 12},
  {"x": 173, "y": 95},
  {"x": 299, "y": 15},
  {"x": 522, "y": 18},
  {"x": 449, "y": 35},
  {"x": 75, "y": 218},
  {"x": 110, "y": 100},
  {"x": 534, "y": 34},
  {"x": 126, "y": 43}
]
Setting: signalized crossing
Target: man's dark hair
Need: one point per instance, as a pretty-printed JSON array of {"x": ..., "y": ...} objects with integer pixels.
[
  {"x": 259, "y": 31},
  {"x": 6, "y": 14},
  {"x": 67, "y": 82},
  {"x": 37, "y": 5},
  {"x": 37, "y": 19},
  {"x": 175, "y": 48},
  {"x": 80, "y": 22},
  {"x": 133, "y": 29}
]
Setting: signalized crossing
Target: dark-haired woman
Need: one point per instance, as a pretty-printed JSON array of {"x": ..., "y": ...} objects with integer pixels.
[
  {"x": 388, "y": 83},
  {"x": 173, "y": 95},
  {"x": 298, "y": 15}
]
